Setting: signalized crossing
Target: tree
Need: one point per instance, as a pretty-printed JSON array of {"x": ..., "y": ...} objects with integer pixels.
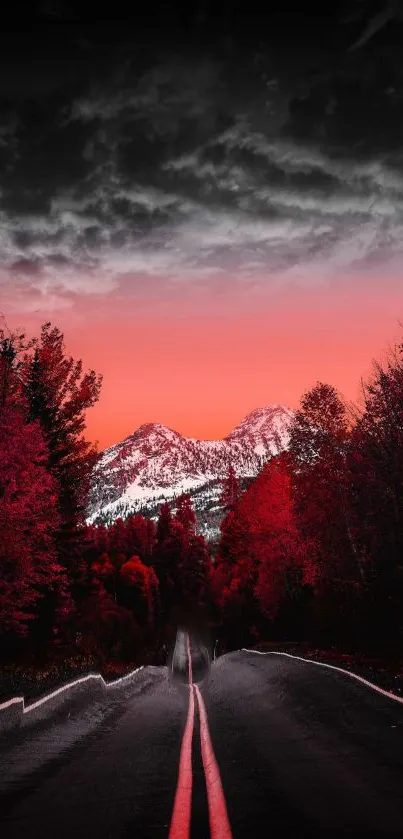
[
  {"x": 185, "y": 513},
  {"x": 118, "y": 538},
  {"x": 320, "y": 442},
  {"x": 194, "y": 574},
  {"x": 141, "y": 586},
  {"x": 106, "y": 629},
  {"x": 13, "y": 347},
  {"x": 260, "y": 567},
  {"x": 164, "y": 523},
  {"x": 276, "y": 544},
  {"x": 28, "y": 520},
  {"x": 321, "y": 448},
  {"x": 376, "y": 466},
  {"x": 230, "y": 490},
  {"x": 140, "y": 534},
  {"x": 181, "y": 560},
  {"x": 58, "y": 395},
  {"x": 161, "y": 552},
  {"x": 107, "y": 572}
]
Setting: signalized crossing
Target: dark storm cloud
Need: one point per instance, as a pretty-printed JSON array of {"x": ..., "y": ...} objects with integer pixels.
[
  {"x": 196, "y": 167},
  {"x": 44, "y": 157},
  {"x": 350, "y": 116}
]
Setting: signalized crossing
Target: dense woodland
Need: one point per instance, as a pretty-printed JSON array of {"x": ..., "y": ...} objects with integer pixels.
[{"x": 312, "y": 550}]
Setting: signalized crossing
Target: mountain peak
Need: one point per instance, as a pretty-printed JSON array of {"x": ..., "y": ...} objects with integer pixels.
[
  {"x": 154, "y": 427},
  {"x": 265, "y": 411},
  {"x": 157, "y": 463},
  {"x": 262, "y": 421}
]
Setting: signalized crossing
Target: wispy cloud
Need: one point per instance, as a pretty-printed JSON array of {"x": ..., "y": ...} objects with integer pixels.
[{"x": 169, "y": 175}]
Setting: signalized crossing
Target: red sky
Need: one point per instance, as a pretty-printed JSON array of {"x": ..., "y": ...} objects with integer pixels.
[{"x": 201, "y": 367}]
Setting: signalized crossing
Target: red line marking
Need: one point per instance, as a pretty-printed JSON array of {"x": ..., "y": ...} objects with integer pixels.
[
  {"x": 181, "y": 814},
  {"x": 182, "y": 810},
  {"x": 189, "y": 659},
  {"x": 218, "y": 816}
]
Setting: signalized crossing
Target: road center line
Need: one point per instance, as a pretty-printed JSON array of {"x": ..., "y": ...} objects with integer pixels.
[
  {"x": 182, "y": 810},
  {"x": 189, "y": 659},
  {"x": 219, "y": 822},
  {"x": 181, "y": 814}
]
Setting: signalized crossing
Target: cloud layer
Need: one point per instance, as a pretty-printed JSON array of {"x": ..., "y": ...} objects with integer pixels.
[{"x": 185, "y": 174}]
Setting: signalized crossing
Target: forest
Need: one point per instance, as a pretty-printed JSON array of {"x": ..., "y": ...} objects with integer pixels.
[{"x": 311, "y": 551}]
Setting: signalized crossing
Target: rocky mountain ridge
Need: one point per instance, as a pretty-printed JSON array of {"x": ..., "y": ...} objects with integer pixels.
[{"x": 156, "y": 464}]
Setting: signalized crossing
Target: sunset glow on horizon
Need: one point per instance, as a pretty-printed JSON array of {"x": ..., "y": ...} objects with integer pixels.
[{"x": 200, "y": 370}]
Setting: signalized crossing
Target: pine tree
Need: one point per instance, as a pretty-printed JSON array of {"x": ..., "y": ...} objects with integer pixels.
[
  {"x": 185, "y": 513},
  {"x": 140, "y": 534},
  {"x": 140, "y": 590},
  {"x": 164, "y": 523},
  {"x": 230, "y": 490},
  {"x": 319, "y": 445},
  {"x": 276, "y": 545},
  {"x": 194, "y": 568},
  {"x": 28, "y": 508},
  {"x": 376, "y": 471},
  {"x": 118, "y": 538},
  {"x": 13, "y": 348},
  {"x": 58, "y": 394}
]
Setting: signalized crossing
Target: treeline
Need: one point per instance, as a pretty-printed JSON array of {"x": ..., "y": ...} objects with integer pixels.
[
  {"x": 312, "y": 550},
  {"x": 65, "y": 586}
]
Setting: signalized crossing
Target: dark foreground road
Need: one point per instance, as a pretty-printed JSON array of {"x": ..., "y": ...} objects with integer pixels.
[{"x": 302, "y": 751}]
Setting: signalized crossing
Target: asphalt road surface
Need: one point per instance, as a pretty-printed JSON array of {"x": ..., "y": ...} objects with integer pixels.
[{"x": 300, "y": 750}]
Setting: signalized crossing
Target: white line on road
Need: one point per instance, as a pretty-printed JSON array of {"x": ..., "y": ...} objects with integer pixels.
[
  {"x": 97, "y": 676},
  {"x": 365, "y": 682}
]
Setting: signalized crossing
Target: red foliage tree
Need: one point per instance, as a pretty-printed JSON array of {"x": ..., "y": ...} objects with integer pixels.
[
  {"x": 275, "y": 541},
  {"x": 141, "y": 589},
  {"x": 230, "y": 490},
  {"x": 28, "y": 510},
  {"x": 58, "y": 395},
  {"x": 260, "y": 561},
  {"x": 117, "y": 538},
  {"x": 376, "y": 467},
  {"x": 105, "y": 570},
  {"x": 140, "y": 534},
  {"x": 106, "y": 629},
  {"x": 194, "y": 572},
  {"x": 185, "y": 513},
  {"x": 164, "y": 523},
  {"x": 320, "y": 446},
  {"x": 181, "y": 560}
]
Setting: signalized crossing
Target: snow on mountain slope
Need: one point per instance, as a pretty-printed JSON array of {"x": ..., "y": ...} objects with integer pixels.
[{"x": 156, "y": 463}]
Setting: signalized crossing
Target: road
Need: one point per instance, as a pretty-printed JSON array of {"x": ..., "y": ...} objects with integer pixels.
[{"x": 301, "y": 751}]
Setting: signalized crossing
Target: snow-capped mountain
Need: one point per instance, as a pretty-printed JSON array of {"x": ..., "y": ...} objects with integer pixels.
[{"x": 156, "y": 464}]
